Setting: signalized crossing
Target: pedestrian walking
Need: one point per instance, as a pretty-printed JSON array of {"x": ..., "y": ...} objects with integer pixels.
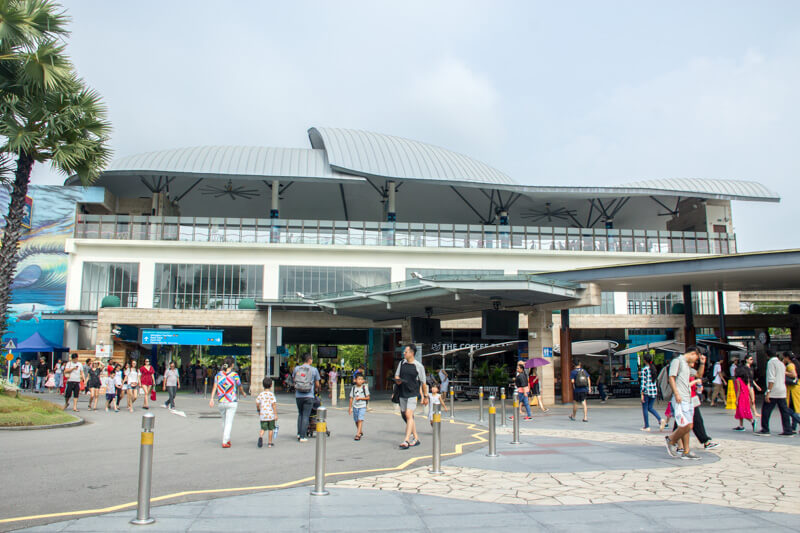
[
  {"x": 227, "y": 386},
  {"x": 111, "y": 391},
  {"x": 359, "y": 396},
  {"x": 171, "y": 384},
  {"x": 199, "y": 378},
  {"x": 718, "y": 385},
  {"x": 267, "y": 407},
  {"x": 745, "y": 395},
  {"x": 147, "y": 381},
  {"x": 649, "y": 393},
  {"x": 50, "y": 381},
  {"x": 581, "y": 383},
  {"x": 536, "y": 389},
  {"x": 522, "y": 389},
  {"x": 679, "y": 378},
  {"x": 775, "y": 397},
  {"x": 42, "y": 369},
  {"x": 15, "y": 373},
  {"x": 435, "y": 398},
  {"x": 792, "y": 387},
  {"x": 58, "y": 375},
  {"x": 27, "y": 372},
  {"x": 74, "y": 373},
  {"x": 695, "y": 386},
  {"x": 132, "y": 382},
  {"x": 118, "y": 388},
  {"x": 444, "y": 380},
  {"x": 306, "y": 381},
  {"x": 94, "y": 384},
  {"x": 601, "y": 383},
  {"x": 410, "y": 376}
]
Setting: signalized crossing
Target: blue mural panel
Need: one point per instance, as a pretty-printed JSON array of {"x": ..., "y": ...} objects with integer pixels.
[{"x": 40, "y": 283}]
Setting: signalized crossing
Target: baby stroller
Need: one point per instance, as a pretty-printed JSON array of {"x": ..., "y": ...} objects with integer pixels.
[{"x": 312, "y": 419}]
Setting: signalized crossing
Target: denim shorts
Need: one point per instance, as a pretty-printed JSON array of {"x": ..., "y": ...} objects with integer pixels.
[{"x": 358, "y": 413}]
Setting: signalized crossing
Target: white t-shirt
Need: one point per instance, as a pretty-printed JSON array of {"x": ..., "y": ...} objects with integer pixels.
[
  {"x": 718, "y": 373},
  {"x": 110, "y": 387},
  {"x": 118, "y": 379},
  {"x": 133, "y": 376},
  {"x": 74, "y": 371}
]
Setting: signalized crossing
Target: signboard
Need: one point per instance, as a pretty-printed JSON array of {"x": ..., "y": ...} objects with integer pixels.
[
  {"x": 102, "y": 351},
  {"x": 547, "y": 351},
  {"x": 9, "y": 356},
  {"x": 27, "y": 209},
  {"x": 191, "y": 337},
  {"x": 11, "y": 345}
]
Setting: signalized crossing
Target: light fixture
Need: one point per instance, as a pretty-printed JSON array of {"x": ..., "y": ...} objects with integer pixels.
[{"x": 458, "y": 297}]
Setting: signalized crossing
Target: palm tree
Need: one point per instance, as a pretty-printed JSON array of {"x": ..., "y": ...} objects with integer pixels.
[{"x": 47, "y": 114}]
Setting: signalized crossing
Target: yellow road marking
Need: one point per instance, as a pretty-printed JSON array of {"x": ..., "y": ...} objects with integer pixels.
[{"x": 457, "y": 450}]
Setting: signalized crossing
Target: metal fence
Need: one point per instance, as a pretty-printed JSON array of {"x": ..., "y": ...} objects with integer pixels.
[{"x": 355, "y": 233}]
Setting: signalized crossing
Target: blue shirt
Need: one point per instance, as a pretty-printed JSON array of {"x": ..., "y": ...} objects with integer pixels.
[
  {"x": 572, "y": 378},
  {"x": 315, "y": 377}
]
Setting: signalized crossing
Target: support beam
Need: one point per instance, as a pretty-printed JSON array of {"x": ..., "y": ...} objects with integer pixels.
[
  {"x": 274, "y": 211},
  {"x": 688, "y": 316},
  {"x": 723, "y": 337},
  {"x": 391, "y": 194},
  {"x": 480, "y": 217},
  {"x": 344, "y": 201},
  {"x": 566, "y": 358}
]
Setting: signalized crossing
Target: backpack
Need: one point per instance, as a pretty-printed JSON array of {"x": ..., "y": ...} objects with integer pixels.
[
  {"x": 581, "y": 379},
  {"x": 663, "y": 384},
  {"x": 303, "y": 378}
]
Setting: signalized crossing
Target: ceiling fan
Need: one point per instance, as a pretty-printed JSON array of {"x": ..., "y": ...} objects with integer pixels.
[
  {"x": 228, "y": 189},
  {"x": 561, "y": 213}
]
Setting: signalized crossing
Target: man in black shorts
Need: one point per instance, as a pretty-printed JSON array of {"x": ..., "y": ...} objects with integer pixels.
[
  {"x": 74, "y": 374},
  {"x": 581, "y": 383},
  {"x": 410, "y": 376}
]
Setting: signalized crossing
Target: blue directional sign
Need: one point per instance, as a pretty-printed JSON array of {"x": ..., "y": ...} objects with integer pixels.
[
  {"x": 547, "y": 351},
  {"x": 191, "y": 337}
]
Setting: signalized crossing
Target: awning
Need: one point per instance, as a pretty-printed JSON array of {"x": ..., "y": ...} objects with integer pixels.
[{"x": 440, "y": 296}]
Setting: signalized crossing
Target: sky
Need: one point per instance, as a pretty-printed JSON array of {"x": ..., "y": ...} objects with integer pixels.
[{"x": 578, "y": 93}]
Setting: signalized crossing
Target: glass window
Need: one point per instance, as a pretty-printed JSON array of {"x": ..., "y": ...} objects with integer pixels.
[
  {"x": 606, "y": 306},
  {"x": 660, "y": 303},
  {"x": 109, "y": 279},
  {"x": 188, "y": 286},
  {"x": 312, "y": 279},
  {"x": 451, "y": 272}
]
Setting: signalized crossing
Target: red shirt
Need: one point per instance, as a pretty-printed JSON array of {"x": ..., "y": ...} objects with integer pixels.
[{"x": 147, "y": 375}]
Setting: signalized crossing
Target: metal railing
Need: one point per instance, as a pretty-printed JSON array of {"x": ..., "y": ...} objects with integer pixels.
[{"x": 401, "y": 234}]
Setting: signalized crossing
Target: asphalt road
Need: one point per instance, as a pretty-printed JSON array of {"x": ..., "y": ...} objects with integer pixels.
[{"x": 95, "y": 465}]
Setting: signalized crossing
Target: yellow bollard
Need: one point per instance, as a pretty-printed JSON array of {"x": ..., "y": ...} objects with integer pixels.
[
  {"x": 731, "y": 400},
  {"x": 341, "y": 390}
]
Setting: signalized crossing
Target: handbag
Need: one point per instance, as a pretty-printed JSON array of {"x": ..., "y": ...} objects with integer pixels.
[
  {"x": 396, "y": 393},
  {"x": 790, "y": 381}
]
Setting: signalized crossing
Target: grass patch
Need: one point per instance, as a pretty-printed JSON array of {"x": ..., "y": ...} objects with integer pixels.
[{"x": 25, "y": 411}]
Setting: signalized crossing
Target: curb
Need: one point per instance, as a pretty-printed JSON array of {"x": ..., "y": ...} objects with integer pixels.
[{"x": 78, "y": 422}]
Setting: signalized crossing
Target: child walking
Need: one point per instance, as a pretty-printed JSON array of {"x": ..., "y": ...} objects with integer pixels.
[
  {"x": 111, "y": 391},
  {"x": 435, "y": 399},
  {"x": 267, "y": 407},
  {"x": 359, "y": 396}
]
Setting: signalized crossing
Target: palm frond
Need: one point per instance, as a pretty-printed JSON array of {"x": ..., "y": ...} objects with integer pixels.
[{"x": 47, "y": 68}]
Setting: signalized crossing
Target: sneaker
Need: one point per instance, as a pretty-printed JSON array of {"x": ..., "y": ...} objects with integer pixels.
[
  {"x": 572, "y": 418},
  {"x": 710, "y": 444},
  {"x": 690, "y": 455},
  {"x": 303, "y": 439},
  {"x": 260, "y": 442},
  {"x": 644, "y": 429},
  {"x": 662, "y": 424},
  {"x": 670, "y": 447},
  {"x": 164, "y": 405},
  {"x": 226, "y": 444},
  {"x": 740, "y": 428},
  {"x": 787, "y": 434},
  {"x": 762, "y": 433},
  {"x": 528, "y": 418},
  {"x": 679, "y": 449}
]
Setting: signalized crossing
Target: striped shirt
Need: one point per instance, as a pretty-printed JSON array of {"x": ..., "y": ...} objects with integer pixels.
[
  {"x": 227, "y": 385},
  {"x": 648, "y": 384}
]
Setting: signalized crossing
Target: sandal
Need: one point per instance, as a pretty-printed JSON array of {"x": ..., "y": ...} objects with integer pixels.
[
  {"x": 404, "y": 445},
  {"x": 417, "y": 442},
  {"x": 357, "y": 437}
]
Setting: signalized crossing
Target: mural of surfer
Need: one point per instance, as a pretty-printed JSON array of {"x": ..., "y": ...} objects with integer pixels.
[{"x": 40, "y": 282}]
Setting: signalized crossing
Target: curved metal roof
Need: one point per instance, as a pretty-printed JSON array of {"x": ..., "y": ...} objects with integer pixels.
[
  {"x": 707, "y": 186},
  {"x": 377, "y": 155},
  {"x": 229, "y": 161}
]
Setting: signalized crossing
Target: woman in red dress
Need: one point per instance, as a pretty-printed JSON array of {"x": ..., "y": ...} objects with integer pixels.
[{"x": 146, "y": 380}]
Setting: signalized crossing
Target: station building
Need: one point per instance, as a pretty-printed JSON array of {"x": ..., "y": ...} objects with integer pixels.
[{"x": 346, "y": 241}]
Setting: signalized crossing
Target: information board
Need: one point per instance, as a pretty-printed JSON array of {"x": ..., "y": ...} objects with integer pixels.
[{"x": 191, "y": 337}]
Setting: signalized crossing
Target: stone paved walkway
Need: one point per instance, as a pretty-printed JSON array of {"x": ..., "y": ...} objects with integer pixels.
[{"x": 760, "y": 476}]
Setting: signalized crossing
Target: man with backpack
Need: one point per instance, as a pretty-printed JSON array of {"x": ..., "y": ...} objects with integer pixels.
[
  {"x": 306, "y": 381},
  {"x": 581, "y": 383}
]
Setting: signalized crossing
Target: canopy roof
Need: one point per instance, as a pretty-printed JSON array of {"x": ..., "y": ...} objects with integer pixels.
[{"x": 37, "y": 343}]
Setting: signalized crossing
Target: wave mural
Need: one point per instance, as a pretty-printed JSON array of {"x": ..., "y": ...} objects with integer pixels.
[{"x": 40, "y": 282}]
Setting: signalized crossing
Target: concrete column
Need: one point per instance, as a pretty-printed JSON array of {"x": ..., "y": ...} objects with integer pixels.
[
  {"x": 723, "y": 337},
  {"x": 274, "y": 212},
  {"x": 795, "y": 332},
  {"x": 147, "y": 271},
  {"x": 71, "y": 330},
  {"x": 688, "y": 314},
  {"x": 258, "y": 352},
  {"x": 566, "y": 357},
  {"x": 540, "y": 335},
  {"x": 391, "y": 201}
]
